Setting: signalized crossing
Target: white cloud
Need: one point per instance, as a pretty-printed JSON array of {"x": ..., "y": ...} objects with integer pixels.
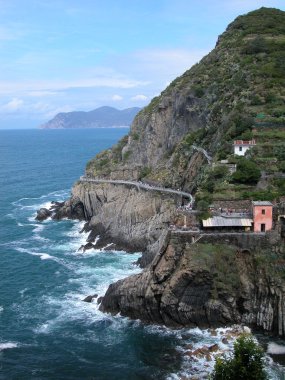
[
  {"x": 32, "y": 110},
  {"x": 40, "y": 107},
  {"x": 14, "y": 105},
  {"x": 58, "y": 85},
  {"x": 117, "y": 98},
  {"x": 139, "y": 97},
  {"x": 40, "y": 94}
]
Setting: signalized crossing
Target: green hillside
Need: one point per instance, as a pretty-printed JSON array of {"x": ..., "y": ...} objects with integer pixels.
[{"x": 235, "y": 92}]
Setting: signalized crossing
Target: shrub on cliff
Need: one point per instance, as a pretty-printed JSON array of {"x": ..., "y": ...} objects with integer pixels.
[
  {"x": 247, "y": 362},
  {"x": 247, "y": 172}
]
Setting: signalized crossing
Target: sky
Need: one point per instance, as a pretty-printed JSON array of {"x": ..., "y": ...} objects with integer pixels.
[{"x": 71, "y": 55}]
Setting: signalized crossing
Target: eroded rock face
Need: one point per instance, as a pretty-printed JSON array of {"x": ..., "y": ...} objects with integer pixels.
[
  {"x": 43, "y": 214},
  {"x": 90, "y": 298},
  {"x": 129, "y": 218},
  {"x": 185, "y": 285},
  {"x": 72, "y": 209}
]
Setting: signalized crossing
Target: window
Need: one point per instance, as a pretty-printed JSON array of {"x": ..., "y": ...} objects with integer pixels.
[
  {"x": 263, "y": 212},
  {"x": 240, "y": 148}
]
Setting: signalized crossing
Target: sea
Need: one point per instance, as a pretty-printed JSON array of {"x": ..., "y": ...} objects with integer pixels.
[{"x": 46, "y": 330}]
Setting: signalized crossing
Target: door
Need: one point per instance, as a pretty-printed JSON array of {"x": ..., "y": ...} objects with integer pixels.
[{"x": 262, "y": 227}]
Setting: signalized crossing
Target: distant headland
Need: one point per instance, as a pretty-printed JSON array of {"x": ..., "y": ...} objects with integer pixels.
[{"x": 102, "y": 117}]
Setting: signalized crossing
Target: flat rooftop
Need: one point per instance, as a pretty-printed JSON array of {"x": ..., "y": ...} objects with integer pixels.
[
  {"x": 219, "y": 221},
  {"x": 262, "y": 203}
]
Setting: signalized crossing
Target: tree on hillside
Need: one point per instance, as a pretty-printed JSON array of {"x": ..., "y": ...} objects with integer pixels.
[
  {"x": 247, "y": 172},
  {"x": 247, "y": 362}
]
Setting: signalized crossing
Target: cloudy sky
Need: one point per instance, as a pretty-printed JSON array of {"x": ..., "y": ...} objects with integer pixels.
[{"x": 66, "y": 55}]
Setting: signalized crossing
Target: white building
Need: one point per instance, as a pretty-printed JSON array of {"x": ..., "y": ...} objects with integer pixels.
[{"x": 241, "y": 146}]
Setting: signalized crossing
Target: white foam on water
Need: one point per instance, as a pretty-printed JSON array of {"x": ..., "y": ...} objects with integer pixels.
[
  {"x": 38, "y": 227},
  {"x": 72, "y": 239},
  {"x": 35, "y": 203},
  {"x": 196, "y": 338},
  {"x": 23, "y": 291},
  {"x": 16, "y": 203},
  {"x": 8, "y": 345},
  {"x": 46, "y": 256},
  {"x": 58, "y": 194},
  {"x": 69, "y": 310},
  {"x": 1, "y": 308},
  {"x": 275, "y": 349},
  {"x": 42, "y": 255},
  {"x": 10, "y": 216},
  {"x": 173, "y": 376},
  {"x": 35, "y": 207},
  {"x": 201, "y": 366},
  {"x": 45, "y": 205},
  {"x": 87, "y": 280}
]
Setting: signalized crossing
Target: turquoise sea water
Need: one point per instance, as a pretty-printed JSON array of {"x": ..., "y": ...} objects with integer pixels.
[{"x": 46, "y": 331}]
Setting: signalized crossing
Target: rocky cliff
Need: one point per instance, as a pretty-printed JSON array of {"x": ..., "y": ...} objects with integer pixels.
[
  {"x": 208, "y": 284},
  {"x": 130, "y": 218},
  {"x": 213, "y": 282}
]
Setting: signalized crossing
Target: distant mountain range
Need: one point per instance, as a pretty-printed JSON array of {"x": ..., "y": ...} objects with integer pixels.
[{"x": 101, "y": 117}]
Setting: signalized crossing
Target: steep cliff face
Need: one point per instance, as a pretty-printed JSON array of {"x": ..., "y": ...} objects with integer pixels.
[
  {"x": 211, "y": 104},
  {"x": 206, "y": 285},
  {"x": 126, "y": 216}
]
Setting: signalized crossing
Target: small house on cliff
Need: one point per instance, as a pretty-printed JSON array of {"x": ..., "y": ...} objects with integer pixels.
[
  {"x": 258, "y": 220},
  {"x": 262, "y": 212},
  {"x": 241, "y": 146}
]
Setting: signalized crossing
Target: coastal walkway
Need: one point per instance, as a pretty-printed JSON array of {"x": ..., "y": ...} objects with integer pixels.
[
  {"x": 204, "y": 152},
  {"x": 139, "y": 185}
]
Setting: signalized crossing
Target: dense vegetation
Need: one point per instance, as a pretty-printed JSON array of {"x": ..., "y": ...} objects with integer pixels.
[{"x": 247, "y": 362}]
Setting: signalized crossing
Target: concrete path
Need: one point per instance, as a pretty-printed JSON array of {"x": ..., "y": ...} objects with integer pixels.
[{"x": 139, "y": 185}]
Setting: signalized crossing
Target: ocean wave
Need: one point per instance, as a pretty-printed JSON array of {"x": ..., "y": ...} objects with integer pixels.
[
  {"x": 57, "y": 194},
  {"x": 1, "y": 308},
  {"x": 27, "y": 205},
  {"x": 46, "y": 256},
  {"x": 42, "y": 255},
  {"x": 8, "y": 345},
  {"x": 85, "y": 280},
  {"x": 275, "y": 349},
  {"x": 37, "y": 227},
  {"x": 70, "y": 309}
]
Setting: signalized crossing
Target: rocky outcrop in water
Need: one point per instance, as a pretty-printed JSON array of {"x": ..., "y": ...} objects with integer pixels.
[
  {"x": 125, "y": 217},
  {"x": 43, "y": 214},
  {"x": 205, "y": 285},
  {"x": 72, "y": 209}
]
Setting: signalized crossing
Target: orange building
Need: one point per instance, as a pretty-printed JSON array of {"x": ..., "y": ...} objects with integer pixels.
[{"x": 262, "y": 216}]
